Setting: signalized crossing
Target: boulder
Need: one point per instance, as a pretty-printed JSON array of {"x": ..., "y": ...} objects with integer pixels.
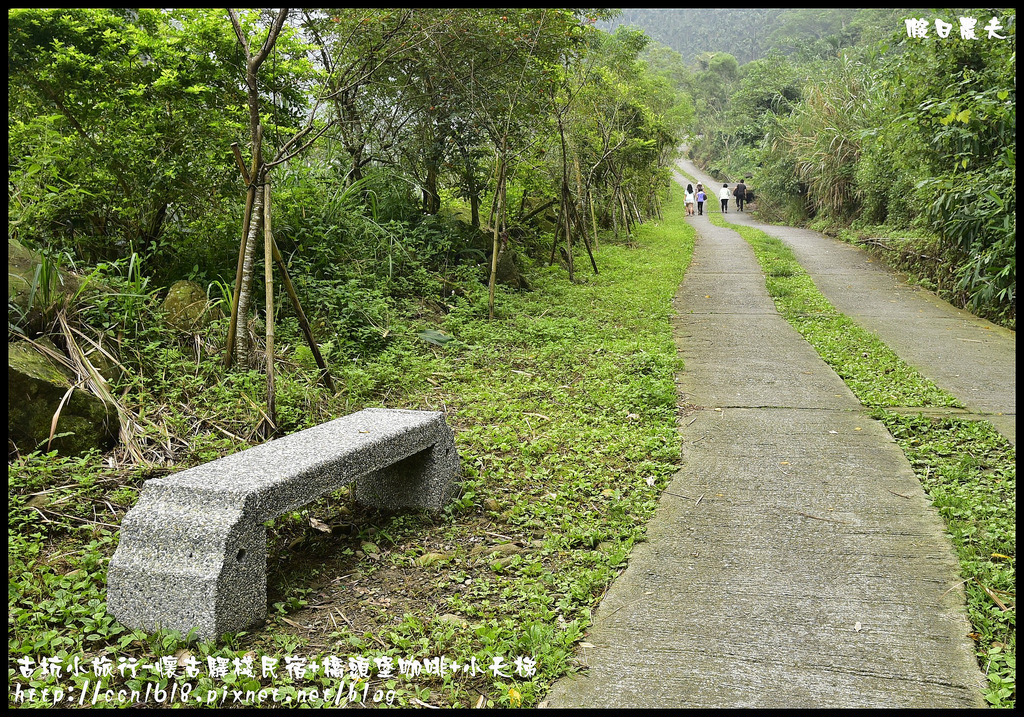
[
  {"x": 35, "y": 388},
  {"x": 187, "y": 308},
  {"x": 36, "y": 286},
  {"x": 507, "y": 271}
]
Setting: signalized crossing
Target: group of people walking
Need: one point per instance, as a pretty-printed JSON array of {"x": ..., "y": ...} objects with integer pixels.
[{"x": 695, "y": 198}]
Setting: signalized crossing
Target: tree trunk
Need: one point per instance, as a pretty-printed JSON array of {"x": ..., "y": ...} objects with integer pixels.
[
  {"x": 245, "y": 287},
  {"x": 582, "y": 226},
  {"x": 568, "y": 240},
  {"x": 615, "y": 213},
  {"x": 155, "y": 225},
  {"x": 431, "y": 199},
  {"x": 250, "y": 198},
  {"x": 558, "y": 235}
]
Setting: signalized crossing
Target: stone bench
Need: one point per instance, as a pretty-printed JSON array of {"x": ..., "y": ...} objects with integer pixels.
[{"x": 193, "y": 550}]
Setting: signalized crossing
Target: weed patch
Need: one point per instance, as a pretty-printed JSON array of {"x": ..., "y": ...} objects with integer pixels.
[{"x": 565, "y": 419}]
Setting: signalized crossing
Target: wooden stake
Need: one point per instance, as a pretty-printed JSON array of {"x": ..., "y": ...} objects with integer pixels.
[
  {"x": 303, "y": 322},
  {"x": 581, "y": 224},
  {"x": 567, "y": 221},
  {"x": 289, "y": 287},
  {"x": 268, "y": 273},
  {"x": 593, "y": 218},
  {"x": 240, "y": 162}
]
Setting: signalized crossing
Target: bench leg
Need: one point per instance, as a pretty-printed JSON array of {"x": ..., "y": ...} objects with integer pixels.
[
  {"x": 184, "y": 565},
  {"x": 425, "y": 481}
]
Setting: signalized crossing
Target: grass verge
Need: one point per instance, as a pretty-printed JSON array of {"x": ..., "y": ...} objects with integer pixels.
[
  {"x": 564, "y": 410},
  {"x": 967, "y": 468}
]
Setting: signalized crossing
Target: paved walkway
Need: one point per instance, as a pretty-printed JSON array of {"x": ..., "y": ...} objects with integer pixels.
[
  {"x": 971, "y": 358},
  {"x": 795, "y": 560}
]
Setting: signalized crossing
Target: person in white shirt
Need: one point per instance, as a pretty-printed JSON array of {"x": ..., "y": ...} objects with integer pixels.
[{"x": 724, "y": 195}]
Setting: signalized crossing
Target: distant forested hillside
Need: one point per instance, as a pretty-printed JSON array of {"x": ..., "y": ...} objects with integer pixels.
[
  {"x": 748, "y": 33},
  {"x": 741, "y": 32}
]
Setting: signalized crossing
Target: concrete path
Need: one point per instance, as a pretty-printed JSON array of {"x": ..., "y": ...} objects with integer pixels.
[
  {"x": 971, "y": 358},
  {"x": 795, "y": 560}
]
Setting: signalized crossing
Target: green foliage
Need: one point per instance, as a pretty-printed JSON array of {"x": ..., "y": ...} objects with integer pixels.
[
  {"x": 742, "y": 32},
  {"x": 118, "y": 125},
  {"x": 863, "y": 125},
  {"x": 574, "y": 455},
  {"x": 824, "y": 135},
  {"x": 970, "y": 472}
]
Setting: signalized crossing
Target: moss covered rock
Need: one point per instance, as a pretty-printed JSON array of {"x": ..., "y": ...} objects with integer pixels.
[
  {"x": 187, "y": 308},
  {"x": 35, "y": 388},
  {"x": 36, "y": 287}
]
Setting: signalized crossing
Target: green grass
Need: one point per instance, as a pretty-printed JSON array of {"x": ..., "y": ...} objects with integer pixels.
[
  {"x": 564, "y": 410},
  {"x": 966, "y": 467},
  {"x": 969, "y": 470},
  {"x": 565, "y": 419}
]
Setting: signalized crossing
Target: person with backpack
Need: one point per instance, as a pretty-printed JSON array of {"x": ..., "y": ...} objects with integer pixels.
[
  {"x": 701, "y": 198},
  {"x": 740, "y": 193},
  {"x": 688, "y": 200}
]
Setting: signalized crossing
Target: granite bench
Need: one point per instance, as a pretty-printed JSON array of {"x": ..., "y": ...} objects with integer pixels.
[{"x": 193, "y": 550}]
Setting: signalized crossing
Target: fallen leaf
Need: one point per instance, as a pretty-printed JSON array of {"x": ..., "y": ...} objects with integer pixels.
[
  {"x": 37, "y": 500},
  {"x": 428, "y": 559},
  {"x": 995, "y": 599},
  {"x": 319, "y": 525},
  {"x": 437, "y": 338},
  {"x": 856, "y": 626}
]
